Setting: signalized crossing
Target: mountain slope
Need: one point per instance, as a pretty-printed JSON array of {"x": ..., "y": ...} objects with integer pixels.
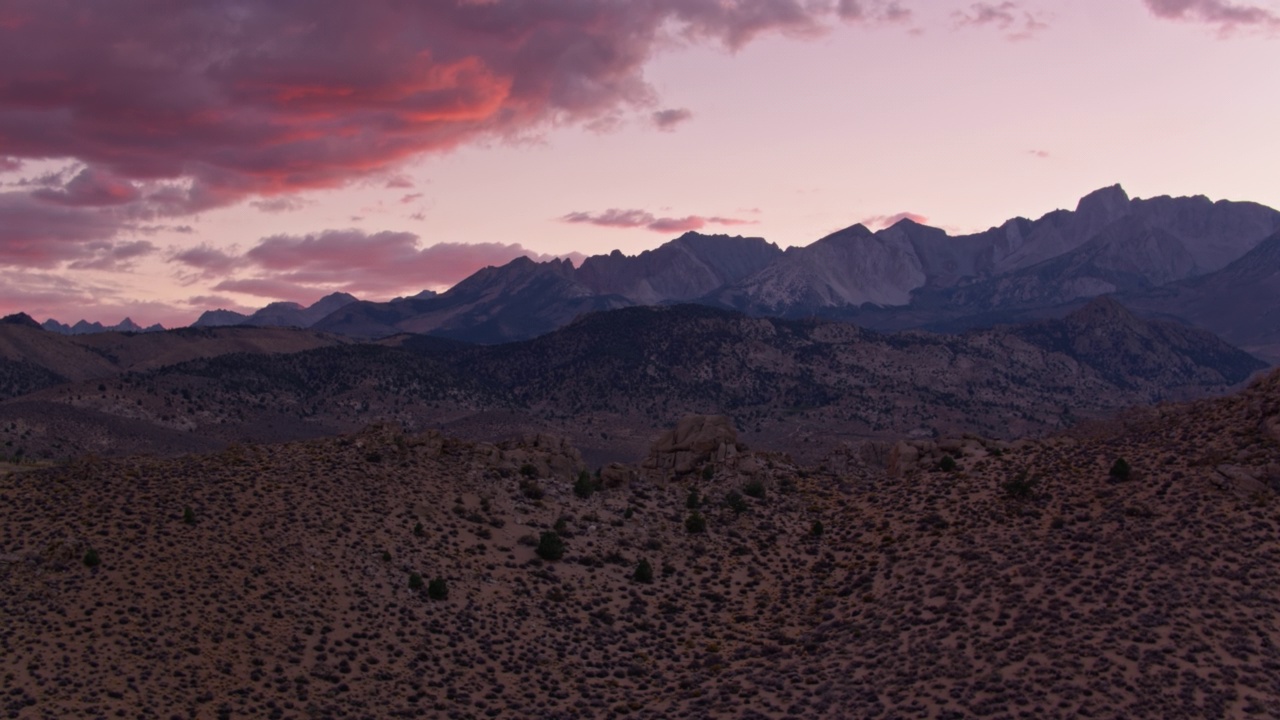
[
  {"x": 1240, "y": 302},
  {"x": 683, "y": 269}
]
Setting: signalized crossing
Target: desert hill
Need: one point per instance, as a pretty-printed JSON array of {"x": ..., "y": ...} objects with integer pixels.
[
  {"x": 608, "y": 380},
  {"x": 395, "y": 575}
]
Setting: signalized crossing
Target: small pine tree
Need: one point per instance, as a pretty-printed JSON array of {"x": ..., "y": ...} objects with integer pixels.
[
  {"x": 817, "y": 529},
  {"x": 695, "y": 523},
  {"x": 415, "y": 581},
  {"x": 386, "y": 556},
  {"x": 419, "y": 531},
  {"x": 947, "y": 464},
  {"x": 736, "y": 502},
  {"x": 188, "y": 515},
  {"x": 644, "y": 572},
  {"x": 584, "y": 485},
  {"x": 755, "y": 489},
  {"x": 694, "y": 501},
  {"x": 91, "y": 558},
  {"x": 437, "y": 589},
  {"x": 550, "y": 546},
  {"x": 1120, "y": 469}
]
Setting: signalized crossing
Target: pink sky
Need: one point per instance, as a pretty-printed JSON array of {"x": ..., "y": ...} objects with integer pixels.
[{"x": 158, "y": 162}]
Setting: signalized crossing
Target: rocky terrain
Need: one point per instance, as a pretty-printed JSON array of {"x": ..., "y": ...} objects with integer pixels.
[
  {"x": 1125, "y": 569},
  {"x": 610, "y": 380}
]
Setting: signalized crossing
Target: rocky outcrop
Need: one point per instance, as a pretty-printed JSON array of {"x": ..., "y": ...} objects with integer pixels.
[{"x": 695, "y": 441}]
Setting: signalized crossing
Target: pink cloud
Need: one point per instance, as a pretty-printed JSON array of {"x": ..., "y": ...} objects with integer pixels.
[
  {"x": 886, "y": 221},
  {"x": 8, "y": 164},
  {"x": 112, "y": 256},
  {"x": 280, "y": 204},
  {"x": 385, "y": 264},
  {"x": 1042, "y": 154},
  {"x": 202, "y": 106},
  {"x": 1009, "y": 17},
  {"x": 668, "y": 120},
  {"x": 400, "y": 182},
  {"x": 206, "y": 261},
  {"x": 1226, "y": 15},
  {"x": 616, "y": 218},
  {"x": 875, "y": 10},
  {"x": 37, "y": 234},
  {"x": 410, "y": 198},
  {"x": 91, "y": 188}
]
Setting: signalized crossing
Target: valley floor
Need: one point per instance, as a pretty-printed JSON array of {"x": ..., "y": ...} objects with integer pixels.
[{"x": 1027, "y": 582}]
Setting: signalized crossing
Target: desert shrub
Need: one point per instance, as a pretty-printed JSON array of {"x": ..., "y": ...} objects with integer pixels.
[
  {"x": 531, "y": 489},
  {"x": 626, "y": 514},
  {"x": 584, "y": 486},
  {"x": 386, "y": 556},
  {"x": 694, "y": 501},
  {"x": 415, "y": 581},
  {"x": 528, "y": 470},
  {"x": 754, "y": 488},
  {"x": 644, "y": 572},
  {"x": 708, "y": 472},
  {"x": 1120, "y": 469},
  {"x": 695, "y": 523},
  {"x": 1020, "y": 487},
  {"x": 736, "y": 502},
  {"x": 816, "y": 529},
  {"x": 550, "y": 546},
  {"x": 419, "y": 531},
  {"x": 188, "y": 515},
  {"x": 91, "y": 558},
  {"x": 437, "y": 589},
  {"x": 947, "y": 464}
]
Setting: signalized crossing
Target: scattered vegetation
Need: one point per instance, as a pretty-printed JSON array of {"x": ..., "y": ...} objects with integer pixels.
[
  {"x": 1120, "y": 469},
  {"x": 947, "y": 464},
  {"x": 584, "y": 486},
  {"x": 643, "y": 573},
  {"x": 695, "y": 523},
  {"x": 550, "y": 546},
  {"x": 438, "y": 589},
  {"x": 415, "y": 581},
  {"x": 91, "y": 558}
]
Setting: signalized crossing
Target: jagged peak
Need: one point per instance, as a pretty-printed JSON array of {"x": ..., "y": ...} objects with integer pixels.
[
  {"x": 21, "y": 318},
  {"x": 1111, "y": 201}
]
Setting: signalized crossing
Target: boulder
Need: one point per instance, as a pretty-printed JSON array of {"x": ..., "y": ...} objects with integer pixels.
[{"x": 695, "y": 440}]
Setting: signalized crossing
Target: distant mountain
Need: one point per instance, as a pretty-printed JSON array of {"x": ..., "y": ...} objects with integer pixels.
[
  {"x": 21, "y": 319},
  {"x": 686, "y": 268},
  {"x": 278, "y": 314},
  {"x": 84, "y": 327},
  {"x": 1109, "y": 244},
  {"x": 1240, "y": 302},
  {"x": 524, "y": 298},
  {"x": 518, "y": 300}
]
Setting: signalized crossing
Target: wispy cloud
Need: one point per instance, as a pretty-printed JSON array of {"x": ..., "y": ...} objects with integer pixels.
[
  {"x": 1227, "y": 16},
  {"x": 616, "y": 218},
  {"x": 1010, "y": 18}
]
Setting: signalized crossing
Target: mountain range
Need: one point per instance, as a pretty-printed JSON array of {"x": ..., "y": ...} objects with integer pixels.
[
  {"x": 1212, "y": 265},
  {"x": 905, "y": 276}
]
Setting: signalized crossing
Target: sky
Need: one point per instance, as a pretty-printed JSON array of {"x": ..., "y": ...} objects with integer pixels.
[{"x": 159, "y": 159}]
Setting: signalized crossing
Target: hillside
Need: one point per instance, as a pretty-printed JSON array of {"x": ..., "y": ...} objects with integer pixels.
[
  {"x": 609, "y": 380},
  {"x": 278, "y": 581}
]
